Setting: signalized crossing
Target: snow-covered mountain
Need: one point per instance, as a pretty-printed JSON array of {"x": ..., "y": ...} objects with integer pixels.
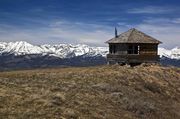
[
  {"x": 22, "y": 55},
  {"x": 68, "y": 50},
  {"x": 171, "y": 54},
  {"x": 60, "y": 50},
  {"x": 19, "y": 48}
]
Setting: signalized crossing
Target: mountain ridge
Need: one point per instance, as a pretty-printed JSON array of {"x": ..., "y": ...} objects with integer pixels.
[
  {"x": 68, "y": 50},
  {"x": 58, "y": 50},
  {"x": 23, "y": 55}
]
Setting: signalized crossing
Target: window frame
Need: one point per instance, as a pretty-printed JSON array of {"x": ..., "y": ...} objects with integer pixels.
[{"x": 133, "y": 49}]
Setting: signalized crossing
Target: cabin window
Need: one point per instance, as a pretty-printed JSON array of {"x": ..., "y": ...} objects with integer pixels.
[
  {"x": 133, "y": 49},
  {"x": 112, "y": 49}
]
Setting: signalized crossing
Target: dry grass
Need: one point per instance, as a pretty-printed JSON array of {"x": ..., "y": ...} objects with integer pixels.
[{"x": 105, "y": 92}]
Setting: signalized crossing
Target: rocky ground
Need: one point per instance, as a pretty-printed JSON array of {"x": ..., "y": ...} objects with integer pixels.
[{"x": 103, "y": 92}]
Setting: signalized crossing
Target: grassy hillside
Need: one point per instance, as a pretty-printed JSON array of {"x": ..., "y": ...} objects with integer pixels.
[{"x": 105, "y": 92}]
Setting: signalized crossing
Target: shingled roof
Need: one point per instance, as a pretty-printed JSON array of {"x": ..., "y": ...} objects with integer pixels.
[{"x": 133, "y": 36}]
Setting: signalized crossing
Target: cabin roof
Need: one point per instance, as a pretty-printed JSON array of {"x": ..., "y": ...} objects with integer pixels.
[{"x": 133, "y": 36}]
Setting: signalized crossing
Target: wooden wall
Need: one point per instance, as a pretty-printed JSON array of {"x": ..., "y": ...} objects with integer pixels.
[
  {"x": 149, "y": 49},
  {"x": 146, "y": 53},
  {"x": 119, "y": 48}
]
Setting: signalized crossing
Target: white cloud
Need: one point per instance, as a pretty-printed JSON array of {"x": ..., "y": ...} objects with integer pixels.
[
  {"x": 165, "y": 29},
  {"x": 177, "y": 20},
  {"x": 151, "y": 20},
  {"x": 91, "y": 34},
  {"x": 151, "y": 10},
  {"x": 59, "y": 32},
  {"x": 163, "y": 20},
  {"x": 168, "y": 34}
]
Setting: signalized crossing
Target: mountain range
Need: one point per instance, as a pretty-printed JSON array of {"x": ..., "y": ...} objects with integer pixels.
[
  {"x": 21, "y": 54},
  {"x": 60, "y": 50}
]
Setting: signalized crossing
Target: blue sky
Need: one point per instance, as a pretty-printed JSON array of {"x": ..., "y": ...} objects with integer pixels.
[{"x": 89, "y": 22}]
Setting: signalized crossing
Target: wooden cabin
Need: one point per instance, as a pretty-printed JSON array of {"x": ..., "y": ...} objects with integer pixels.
[{"x": 132, "y": 47}]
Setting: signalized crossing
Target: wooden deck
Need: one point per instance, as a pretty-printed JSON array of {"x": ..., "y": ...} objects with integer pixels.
[{"x": 132, "y": 58}]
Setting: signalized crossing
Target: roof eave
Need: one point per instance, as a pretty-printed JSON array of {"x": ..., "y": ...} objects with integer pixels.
[
  {"x": 135, "y": 42},
  {"x": 160, "y": 42}
]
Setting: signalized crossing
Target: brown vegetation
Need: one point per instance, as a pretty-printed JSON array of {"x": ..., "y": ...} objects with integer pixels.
[{"x": 105, "y": 92}]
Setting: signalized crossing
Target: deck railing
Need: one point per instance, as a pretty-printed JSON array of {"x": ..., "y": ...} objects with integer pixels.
[{"x": 133, "y": 57}]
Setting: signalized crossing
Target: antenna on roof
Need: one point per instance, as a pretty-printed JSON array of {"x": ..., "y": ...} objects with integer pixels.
[{"x": 116, "y": 34}]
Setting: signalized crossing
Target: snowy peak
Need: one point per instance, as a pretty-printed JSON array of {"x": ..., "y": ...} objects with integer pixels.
[
  {"x": 175, "y": 53},
  {"x": 172, "y": 54},
  {"x": 59, "y": 50},
  {"x": 3, "y": 46},
  {"x": 69, "y": 50},
  {"x": 20, "y": 48}
]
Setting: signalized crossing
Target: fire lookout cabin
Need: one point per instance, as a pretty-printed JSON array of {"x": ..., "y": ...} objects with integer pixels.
[{"x": 132, "y": 47}]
